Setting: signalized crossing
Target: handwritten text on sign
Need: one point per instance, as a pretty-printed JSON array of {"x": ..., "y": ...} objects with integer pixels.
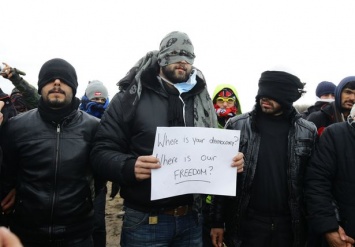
[{"x": 194, "y": 160}]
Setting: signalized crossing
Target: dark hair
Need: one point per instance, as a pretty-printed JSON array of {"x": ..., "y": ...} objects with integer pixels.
[{"x": 350, "y": 85}]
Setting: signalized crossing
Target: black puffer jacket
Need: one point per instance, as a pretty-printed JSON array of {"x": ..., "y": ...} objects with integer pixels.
[
  {"x": 231, "y": 210},
  {"x": 49, "y": 166},
  {"x": 118, "y": 142},
  {"x": 331, "y": 176}
]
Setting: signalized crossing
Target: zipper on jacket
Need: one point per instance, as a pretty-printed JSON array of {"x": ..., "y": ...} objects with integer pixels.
[
  {"x": 55, "y": 179},
  {"x": 183, "y": 109}
]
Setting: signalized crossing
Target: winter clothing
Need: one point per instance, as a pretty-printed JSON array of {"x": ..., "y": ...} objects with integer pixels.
[
  {"x": 96, "y": 89},
  {"x": 280, "y": 86},
  {"x": 329, "y": 177},
  {"x": 333, "y": 112},
  {"x": 233, "y": 210},
  {"x": 127, "y": 130},
  {"x": 50, "y": 169},
  {"x": 52, "y": 179},
  {"x": 93, "y": 108},
  {"x": 226, "y": 90},
  {"x": 120, "y": 139},
  {"x": 352, "y": 112},
  {"x": 175, "y": 47},
  {"x": 313, "y": 108},
  {"x": 325, "y": 87},
  {"x": 8, "y": 110},
  {"x": 57, "y": 68},
  {"x": 29, "y": 95}
]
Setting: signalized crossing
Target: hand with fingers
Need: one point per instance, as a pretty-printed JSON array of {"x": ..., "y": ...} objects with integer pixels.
[
  {"x": 6, "y": 72},
  {"x": 8, "y": 239},
  {"x": 144, "y": 166},
  {"x": 238, "y": 162},
  {"x": 339, "y": 238}
]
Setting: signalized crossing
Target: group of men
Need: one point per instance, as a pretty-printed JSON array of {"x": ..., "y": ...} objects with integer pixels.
[{"x": 52, "y": 153}]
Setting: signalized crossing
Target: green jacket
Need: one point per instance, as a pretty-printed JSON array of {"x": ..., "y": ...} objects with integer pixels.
[
  {"x": 237, "y": 102},
  {"x": 29, "y": 92}
]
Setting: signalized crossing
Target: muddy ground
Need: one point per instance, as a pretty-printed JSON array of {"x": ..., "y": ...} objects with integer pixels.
[{"x": 113, "y": 221}]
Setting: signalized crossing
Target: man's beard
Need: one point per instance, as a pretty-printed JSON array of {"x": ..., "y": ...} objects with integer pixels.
[
  {"x": 56, "y": 102},
  {"x": 171, "y": 73}
]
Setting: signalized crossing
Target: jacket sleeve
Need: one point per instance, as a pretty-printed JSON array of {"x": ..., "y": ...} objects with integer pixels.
[
  {"x": 110, "y": 155},
  {"x": 318, "y": 185},
  {"x": 9, "y": 163},
  {"x": 217, "y": 209},
  {"x": 29, "y": 92}
]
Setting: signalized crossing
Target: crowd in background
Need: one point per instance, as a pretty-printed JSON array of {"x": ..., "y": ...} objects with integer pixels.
[{"x": 295, "y": 167}]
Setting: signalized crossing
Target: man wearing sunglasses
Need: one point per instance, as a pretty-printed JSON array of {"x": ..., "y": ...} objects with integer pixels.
[{"x": 162, "y": 89}]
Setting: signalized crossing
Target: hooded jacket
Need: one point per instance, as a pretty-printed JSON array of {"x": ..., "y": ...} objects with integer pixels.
[
  {"x": 232, "y": 210},
  {"x": 331, "y": 113},
  {"x": 222, "y": 121}
]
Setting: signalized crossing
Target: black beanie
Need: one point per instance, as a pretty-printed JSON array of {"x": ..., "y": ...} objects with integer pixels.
[
  {"x": 57, "y": 68},
  {"x": 280, "y": 86}
]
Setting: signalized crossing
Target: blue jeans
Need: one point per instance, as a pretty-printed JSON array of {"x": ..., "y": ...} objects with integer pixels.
[{"x": 170, "y": 231}]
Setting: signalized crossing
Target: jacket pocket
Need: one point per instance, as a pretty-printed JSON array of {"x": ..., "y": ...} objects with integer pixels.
[{"x": 303, "y": 147}]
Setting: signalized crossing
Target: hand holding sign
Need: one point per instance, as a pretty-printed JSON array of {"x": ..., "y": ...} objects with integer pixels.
[
  {"x": 144, "y": 165},
  {"x": 195, "y": 160}
]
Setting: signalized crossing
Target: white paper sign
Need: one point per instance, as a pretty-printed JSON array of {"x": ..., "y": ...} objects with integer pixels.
[{"x": 194, "y": 160}]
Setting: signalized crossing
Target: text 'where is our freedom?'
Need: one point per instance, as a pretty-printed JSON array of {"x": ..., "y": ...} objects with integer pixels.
[{"x": 194, "y": 160}]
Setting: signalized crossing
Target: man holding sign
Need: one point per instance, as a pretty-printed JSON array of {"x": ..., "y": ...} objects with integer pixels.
[
  {"x": 162, "y": 90},
  {"x": 269, "y": 208}
]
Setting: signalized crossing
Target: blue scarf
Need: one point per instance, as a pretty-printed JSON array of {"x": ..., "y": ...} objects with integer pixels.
[{"x": 93, "y": 108}]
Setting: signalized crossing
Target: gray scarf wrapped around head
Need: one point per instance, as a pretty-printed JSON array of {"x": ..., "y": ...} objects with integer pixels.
[{"x": 131, "y": 84}]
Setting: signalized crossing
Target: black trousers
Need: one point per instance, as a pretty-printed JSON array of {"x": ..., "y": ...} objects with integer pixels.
[{"x": 262, "y": 231}]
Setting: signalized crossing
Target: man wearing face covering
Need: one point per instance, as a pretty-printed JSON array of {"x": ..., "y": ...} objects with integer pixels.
[
  {"x": 268, "y": 209},
  {"x": 47, "y": 161},
  {"x": 162, "y": 89}
]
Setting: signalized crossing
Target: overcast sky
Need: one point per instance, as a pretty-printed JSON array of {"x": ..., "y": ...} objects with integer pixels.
[{"x": 234, "y": 40}]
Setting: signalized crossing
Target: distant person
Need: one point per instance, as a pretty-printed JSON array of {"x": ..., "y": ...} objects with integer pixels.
[
  {"x": 46, "y": 159},
  {"x": 6, "y": 112},
  {"x": 24, "y": 96},
  {"x": 330, "y": 184},
  {"x": 226, "y": 103},
  {"x": 162, "y": 89},
  {"x": 338, "y": 110},
  {"x": 268, "y": 209},
  {"x": 325, "y": 93},
  {"x": 95, "y": 102}
]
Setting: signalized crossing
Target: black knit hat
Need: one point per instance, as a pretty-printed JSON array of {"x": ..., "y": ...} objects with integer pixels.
[
  {"x": 57, "y": 68},
  {"x": 280, "y": 86}
]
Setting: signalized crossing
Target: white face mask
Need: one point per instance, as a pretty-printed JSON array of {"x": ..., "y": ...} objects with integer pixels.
[{"x": 184, "y": 87}]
